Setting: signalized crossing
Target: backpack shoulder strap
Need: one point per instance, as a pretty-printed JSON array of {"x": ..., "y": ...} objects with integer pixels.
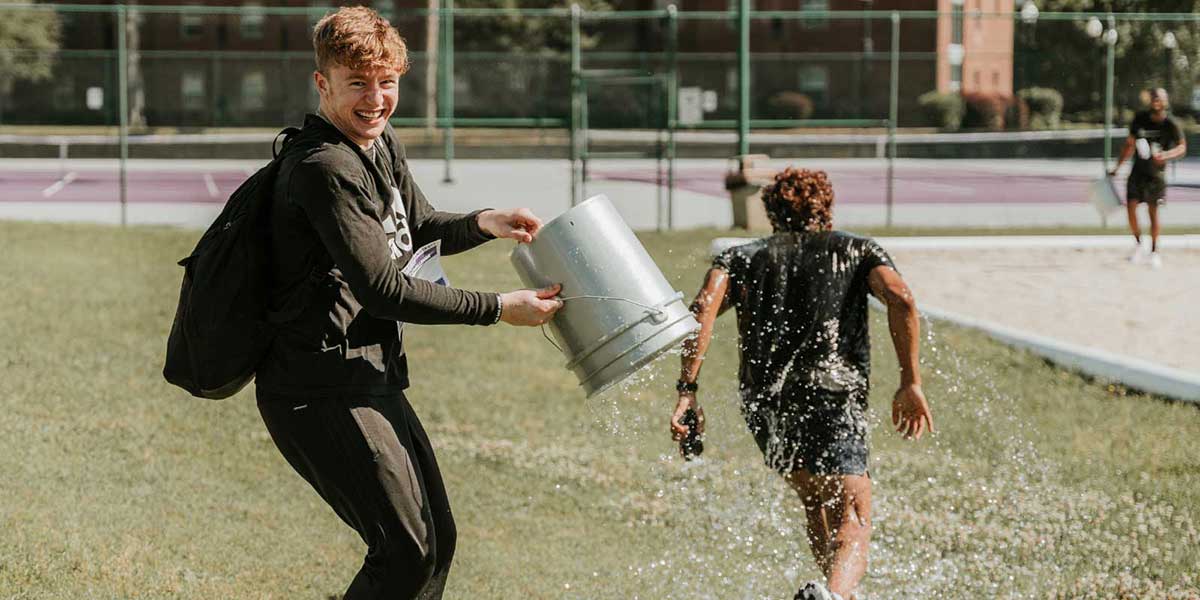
[{"x": 287, "y": 134}]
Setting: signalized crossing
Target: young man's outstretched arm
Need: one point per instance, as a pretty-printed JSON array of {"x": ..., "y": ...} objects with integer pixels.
[
  {"x": 910, "y": 411},
  {"x": 709, "y": 303}
]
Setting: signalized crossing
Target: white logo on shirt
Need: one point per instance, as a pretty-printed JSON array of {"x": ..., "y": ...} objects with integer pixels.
[{"x": 395, "y": 225}]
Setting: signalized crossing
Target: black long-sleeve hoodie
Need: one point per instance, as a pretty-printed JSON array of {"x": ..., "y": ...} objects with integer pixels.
[{"x": 361, "y": 212}]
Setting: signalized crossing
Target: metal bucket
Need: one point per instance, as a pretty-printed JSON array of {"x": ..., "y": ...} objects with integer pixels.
[{"x": 619, "y": 312}]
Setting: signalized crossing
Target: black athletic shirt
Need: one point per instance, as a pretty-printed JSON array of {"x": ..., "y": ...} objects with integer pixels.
[
  {"x": 801, "y": 301},
  {"x": 1161, "y": 137}
]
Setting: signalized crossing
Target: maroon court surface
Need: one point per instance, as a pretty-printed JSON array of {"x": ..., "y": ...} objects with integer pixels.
[{"x": 913, "y": 184}]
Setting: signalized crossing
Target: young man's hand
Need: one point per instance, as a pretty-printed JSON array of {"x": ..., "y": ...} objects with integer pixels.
[
  {"x": 530, "y": 307},
  {"x": 679, "y": 430},
  {"x": 513, "y": 223},
  {"x": 910, "y": 412}
]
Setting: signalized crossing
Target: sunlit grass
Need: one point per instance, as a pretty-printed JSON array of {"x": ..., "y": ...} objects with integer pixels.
[{"x": 115, "y": 485}]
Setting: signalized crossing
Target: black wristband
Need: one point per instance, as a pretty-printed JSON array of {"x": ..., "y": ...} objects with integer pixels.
[{"x": 682, "y": 386}]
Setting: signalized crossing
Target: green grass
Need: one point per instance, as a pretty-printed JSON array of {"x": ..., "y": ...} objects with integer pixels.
[{"x": 115, "y": 485}]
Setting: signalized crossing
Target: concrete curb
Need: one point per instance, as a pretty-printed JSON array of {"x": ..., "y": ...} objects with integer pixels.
[
  {"x": 1132, "y": 372},
  {"x": 985, "y": 242}
]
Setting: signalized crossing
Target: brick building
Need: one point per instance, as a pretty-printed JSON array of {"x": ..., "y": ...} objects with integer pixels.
[{"x": 975, "y": 48}]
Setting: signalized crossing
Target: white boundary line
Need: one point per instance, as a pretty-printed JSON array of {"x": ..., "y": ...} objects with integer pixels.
[
  {"x": 213, "y": 191},
  {"x": 57, "y": 186}
]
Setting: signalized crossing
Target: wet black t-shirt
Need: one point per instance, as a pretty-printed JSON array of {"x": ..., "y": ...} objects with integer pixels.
[
  {"x": 801, "y": 302},
  {"x": 1159, "y": 137}
]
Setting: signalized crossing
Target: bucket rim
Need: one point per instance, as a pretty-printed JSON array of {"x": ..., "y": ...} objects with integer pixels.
[
  {"x": 642, "y": 362},
  {"x": 592, "y": 200}
]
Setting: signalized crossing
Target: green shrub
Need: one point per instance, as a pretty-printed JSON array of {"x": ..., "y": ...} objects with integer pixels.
[
  {"x": 944, "y": 111},
  {"x": 1045, "y": 107},
  {"x": 790, "y": 105}
]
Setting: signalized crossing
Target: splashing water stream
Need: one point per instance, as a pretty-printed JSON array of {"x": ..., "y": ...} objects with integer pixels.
[{"x": 990, "y": 518}]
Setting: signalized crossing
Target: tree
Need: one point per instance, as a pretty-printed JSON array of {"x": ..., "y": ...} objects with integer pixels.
[
  {"x": 520, "y": 32},
  {"x": 1061, "y": 55},
  {"x": 520, "y": 58},
  {"x": 29, "y": 41}
]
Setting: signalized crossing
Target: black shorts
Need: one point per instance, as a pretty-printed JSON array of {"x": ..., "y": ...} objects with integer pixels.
[
  {"x": 1143, "y": 188},
  {"x": 821, "y": 431}
]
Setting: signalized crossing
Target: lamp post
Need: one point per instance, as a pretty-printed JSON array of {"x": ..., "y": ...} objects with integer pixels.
[
  {"x": 1171, "y": 44},
  {"x": 1108, "y": 37},
  {"x": 1029, "y": 12},
  {"x": 1029, "y": 16}
]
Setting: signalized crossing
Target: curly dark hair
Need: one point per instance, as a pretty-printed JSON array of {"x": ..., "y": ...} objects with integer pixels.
[{"x": 799, "y": 200}]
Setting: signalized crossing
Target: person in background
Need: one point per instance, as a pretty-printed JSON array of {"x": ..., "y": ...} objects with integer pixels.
[
  {"x": 801, "y": 302},
  {"x": 1154, "y": 139}
]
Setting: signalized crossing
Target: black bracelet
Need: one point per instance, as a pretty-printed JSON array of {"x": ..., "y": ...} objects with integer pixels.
[{"x": 682, "y": 386}]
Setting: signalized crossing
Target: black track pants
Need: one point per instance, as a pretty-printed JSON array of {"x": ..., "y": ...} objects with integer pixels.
[{"x": 370, "y": 460}]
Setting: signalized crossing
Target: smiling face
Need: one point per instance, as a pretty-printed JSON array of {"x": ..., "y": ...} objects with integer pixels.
[
  {"x": 358, "y": 102},
  {"x": 1158, "y": 103}
]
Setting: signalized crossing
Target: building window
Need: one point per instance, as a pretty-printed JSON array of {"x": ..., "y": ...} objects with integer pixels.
[
  {"x": 254, "y": 90},
  {"x": 814, "y": 82},
  {"x": 814, "y": 22},
  {"x": 251, "y": 23},
  {"x": 956, "y": 76},
  {"x": 191, "y": 25},
  {"x": 956, "y": 22},
  {"x": 191, "y": 88},
  {"x": 996, "y": 80}
]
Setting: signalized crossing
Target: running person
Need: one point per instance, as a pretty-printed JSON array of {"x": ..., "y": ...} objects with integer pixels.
[
  {"x": 1154, "y": 138},
  {"x": 801, "y": 302}
]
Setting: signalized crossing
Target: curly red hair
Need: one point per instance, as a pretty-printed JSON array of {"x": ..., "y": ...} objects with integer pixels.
[
  {"x": 358, "y": 38},
  {"x": 799, "y": 200}
]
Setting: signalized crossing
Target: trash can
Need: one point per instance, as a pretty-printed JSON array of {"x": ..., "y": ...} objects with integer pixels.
[{"x": 744, "y": 178}]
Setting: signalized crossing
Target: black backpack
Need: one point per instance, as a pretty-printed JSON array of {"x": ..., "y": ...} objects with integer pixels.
[{"x": 223, "y": 324}]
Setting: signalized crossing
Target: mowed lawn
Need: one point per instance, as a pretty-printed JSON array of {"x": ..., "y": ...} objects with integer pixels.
[{"x": 114, "y": 484}]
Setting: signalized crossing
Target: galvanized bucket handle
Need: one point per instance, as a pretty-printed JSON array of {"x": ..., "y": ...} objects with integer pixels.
[{"x": 658, "y": 315}]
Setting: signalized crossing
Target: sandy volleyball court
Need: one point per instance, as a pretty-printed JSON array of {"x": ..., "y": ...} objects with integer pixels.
[{"x": 1092, "y": 297}]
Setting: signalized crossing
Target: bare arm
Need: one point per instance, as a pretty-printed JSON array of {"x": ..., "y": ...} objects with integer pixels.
[
  {"x": 707, "y": 306},
  {"x": 1179, "y": 151},
  {"x": 910, "y": 410},
  {"x": 1126, "y": 152}
]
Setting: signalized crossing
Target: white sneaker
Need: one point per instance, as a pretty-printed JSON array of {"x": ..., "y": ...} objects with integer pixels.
[
  {"x": 1139, "y": 255},
  {"x": 1155, "y": 261}
]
